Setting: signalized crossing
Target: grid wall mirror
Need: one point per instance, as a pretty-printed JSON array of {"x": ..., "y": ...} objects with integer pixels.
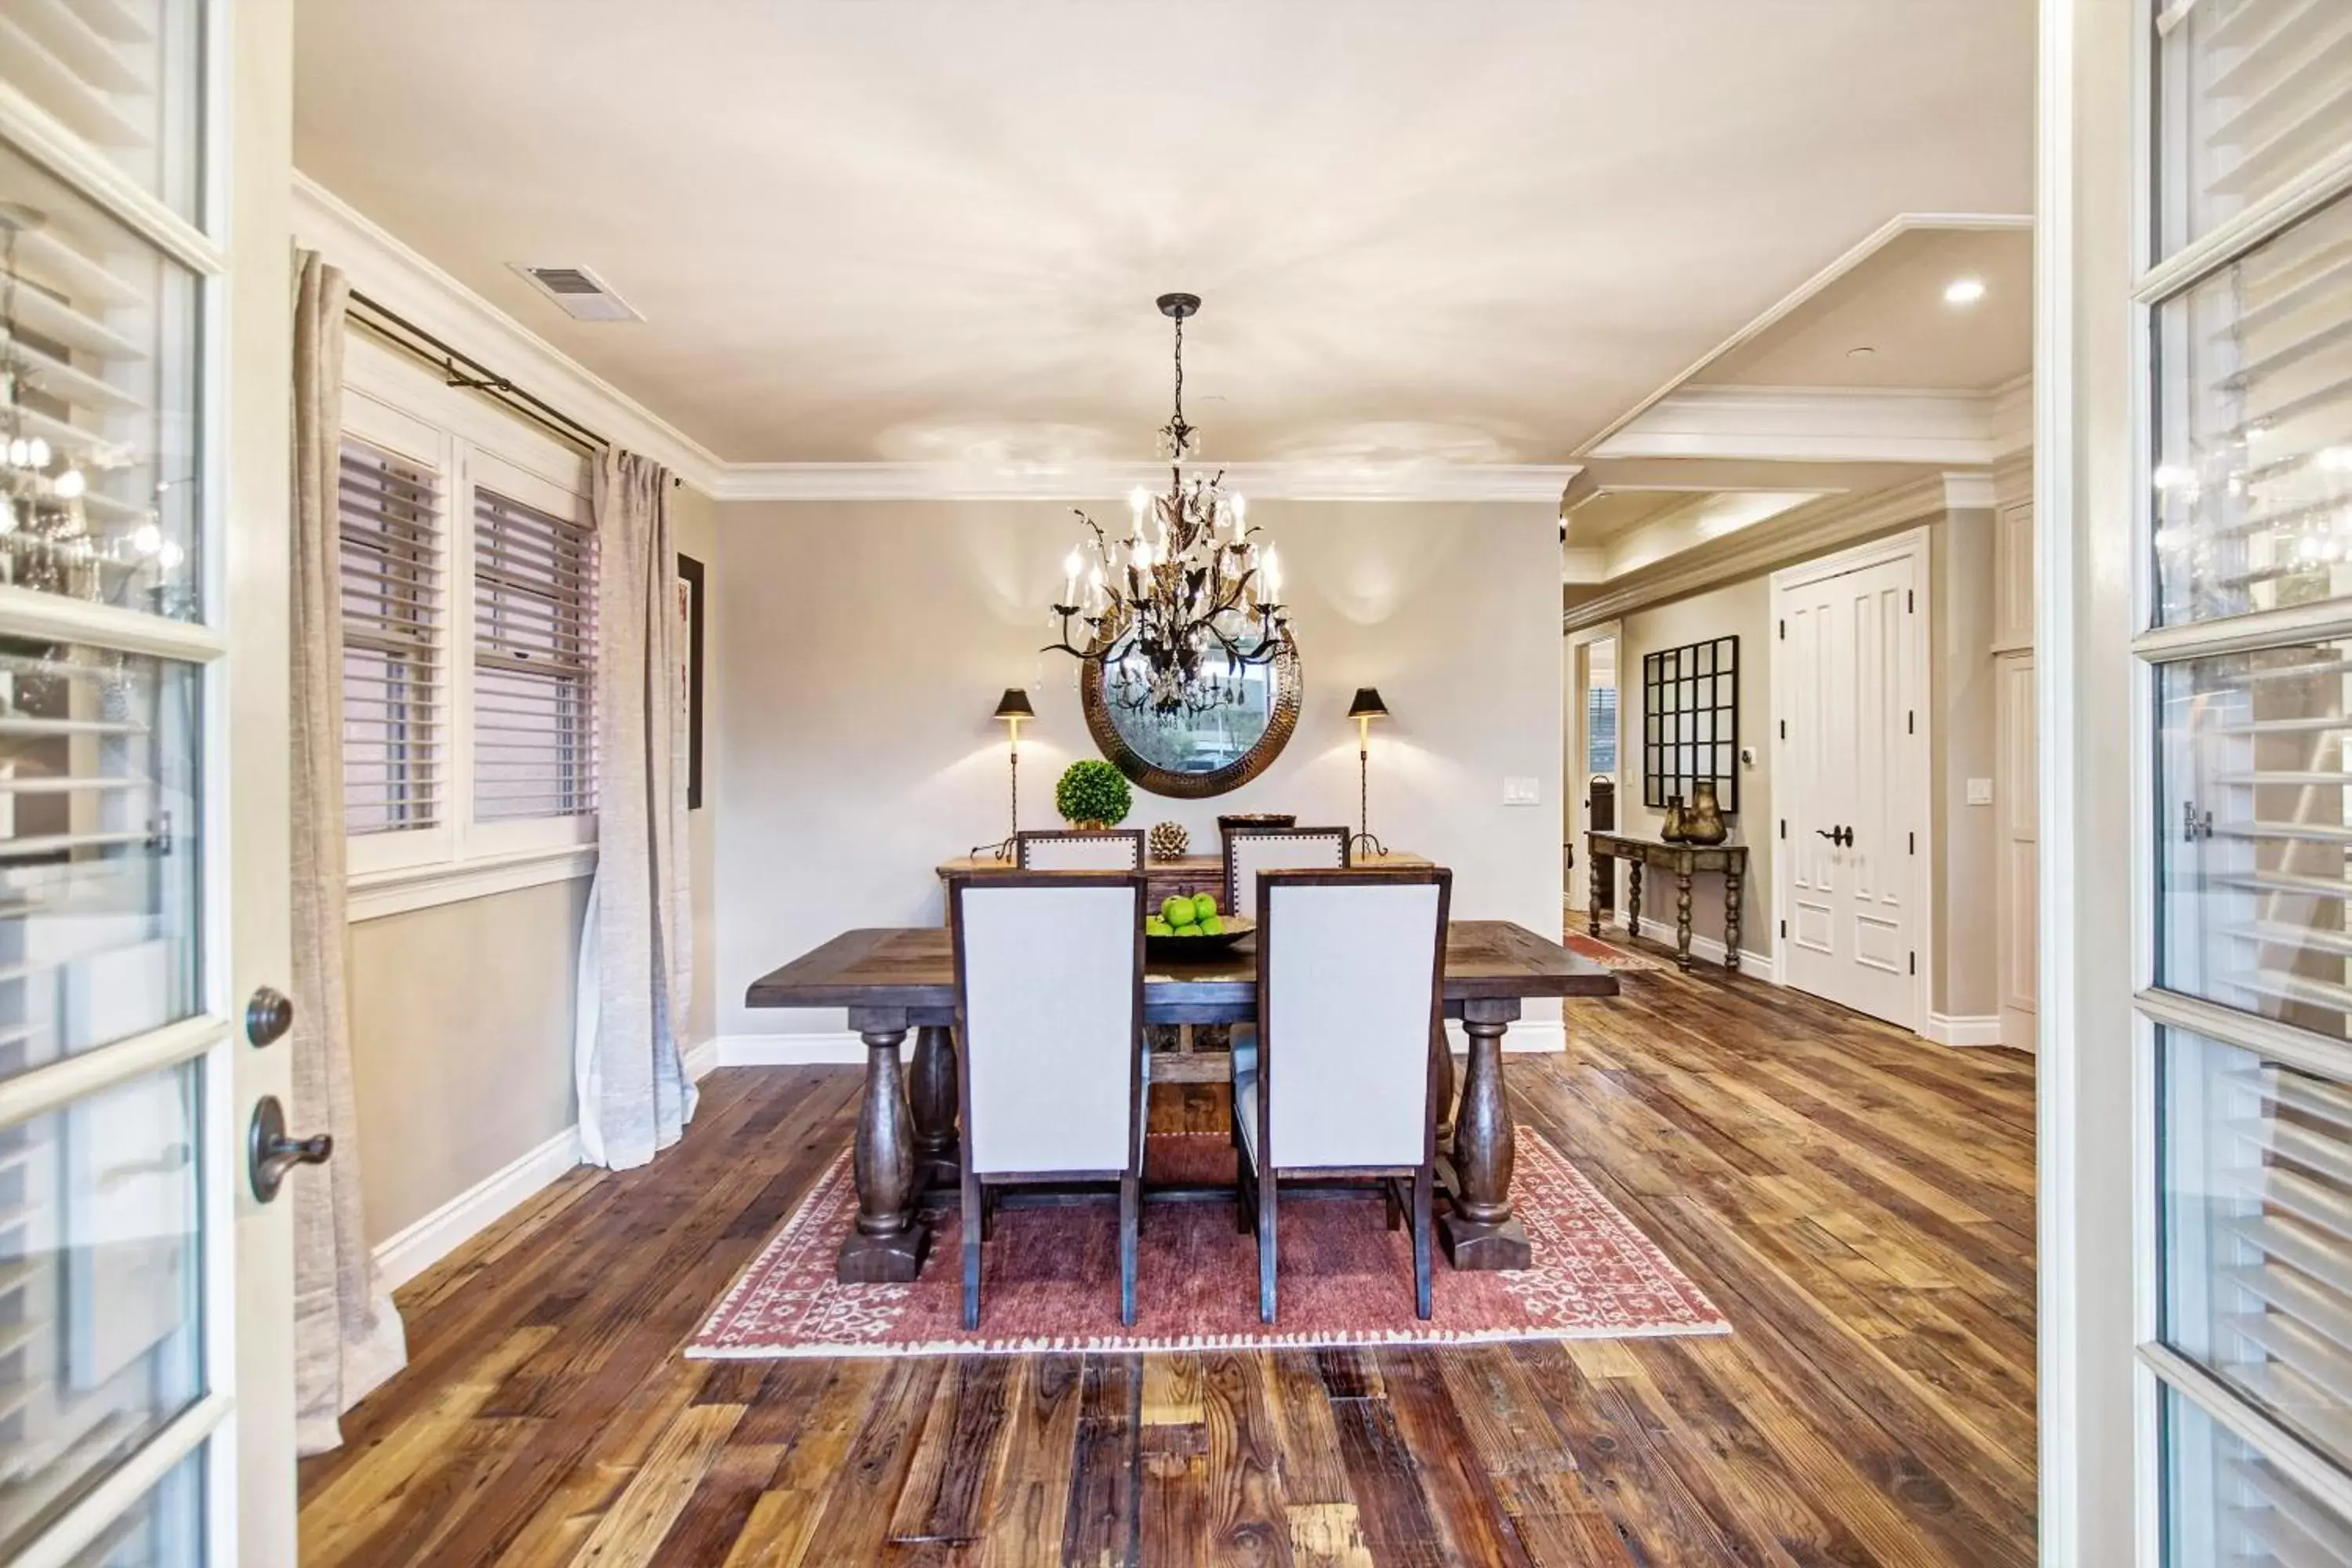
[{"x": 1690, "y": 721}]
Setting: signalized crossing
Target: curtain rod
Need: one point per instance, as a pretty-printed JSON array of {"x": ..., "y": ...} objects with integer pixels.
[{"x": 414, "y": 341}]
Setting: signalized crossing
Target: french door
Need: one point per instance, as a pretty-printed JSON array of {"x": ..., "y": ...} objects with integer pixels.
[
  {"x": 145, "y": 1293},
  {"x": 1848, "y": 683},
  {"x": 2243, "y": 725}
]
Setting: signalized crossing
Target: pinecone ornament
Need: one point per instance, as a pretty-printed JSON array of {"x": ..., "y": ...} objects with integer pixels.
[{"x": 1169, "y": 840}]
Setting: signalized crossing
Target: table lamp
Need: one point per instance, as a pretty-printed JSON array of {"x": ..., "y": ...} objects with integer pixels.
[
  {"x": 1014, "y": 707},
  {"x": 1366, "y": 708}
]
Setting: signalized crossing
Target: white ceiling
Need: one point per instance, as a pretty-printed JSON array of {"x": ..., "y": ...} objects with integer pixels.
[
  {"x": 932, "y": 229},
  {"x": 1892, "y": 302}
]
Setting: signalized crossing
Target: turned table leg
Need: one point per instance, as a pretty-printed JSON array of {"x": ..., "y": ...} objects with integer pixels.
[
  {"x": 1478, "y": 1231},
  {"x": 1683, "y": 920},
  {"x": 1633, "y": 899},
  {"x": 1731, "y": 880},
  {"x": 888, "y": 1245},
  {"x": 1596, "y": 871},
  {"x": 932, "y": 1096}
]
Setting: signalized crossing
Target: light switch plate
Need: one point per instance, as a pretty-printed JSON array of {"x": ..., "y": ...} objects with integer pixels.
[
  {"x": 1980, "y": 792},
  {"x": 1519, "y": 791}
]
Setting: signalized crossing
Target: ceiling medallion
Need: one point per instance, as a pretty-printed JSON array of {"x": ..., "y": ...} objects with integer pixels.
[{"x": 1175, "y": 612}]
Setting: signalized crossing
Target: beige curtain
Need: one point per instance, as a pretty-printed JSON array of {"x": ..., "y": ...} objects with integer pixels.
[
  {"x": 347, "y": 1335},
  {"x": 636, "y": 953}
]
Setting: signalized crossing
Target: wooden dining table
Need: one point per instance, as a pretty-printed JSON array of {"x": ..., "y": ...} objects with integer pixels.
[{"x": 897, "y": 980}]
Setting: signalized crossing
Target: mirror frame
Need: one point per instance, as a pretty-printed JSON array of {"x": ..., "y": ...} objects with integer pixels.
[{"x": 1149, "y": 775}]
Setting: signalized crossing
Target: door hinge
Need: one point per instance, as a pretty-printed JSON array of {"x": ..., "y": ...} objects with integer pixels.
[
  {"x": 1910, "y": 603},
  {"x": 1784, "y": 929},
  {"x": 1913, "y": 839},
  {"x": 1784, "y": 729},
  {"x": 1910, "y": 721},
  {"x": 1784, "y": 631},
  {"x": 1784, "y": 828},
  {"x": 1915, "y": 964}
]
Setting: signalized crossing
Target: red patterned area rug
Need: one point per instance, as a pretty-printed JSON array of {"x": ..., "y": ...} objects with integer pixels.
[
  {"x": 1608, "y": 955},
  {"x": 1050, "y": 1276}
]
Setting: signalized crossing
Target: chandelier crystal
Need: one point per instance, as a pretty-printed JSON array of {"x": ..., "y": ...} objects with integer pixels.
[{"x": 1175, "y": 612}]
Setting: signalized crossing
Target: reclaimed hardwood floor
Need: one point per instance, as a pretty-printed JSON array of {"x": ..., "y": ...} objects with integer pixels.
[{"x": 1859, "y": 1205}]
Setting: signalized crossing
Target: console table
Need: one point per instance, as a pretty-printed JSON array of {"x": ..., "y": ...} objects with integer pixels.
[{"x": 1683, "y": 860}]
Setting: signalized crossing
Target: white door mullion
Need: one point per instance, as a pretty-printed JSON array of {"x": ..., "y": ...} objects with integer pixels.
[
  {"x": 61, "y": 1543},
  {"x": 61, "y": 1082}
]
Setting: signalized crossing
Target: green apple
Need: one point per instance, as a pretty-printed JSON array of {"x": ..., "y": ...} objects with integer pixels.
[
  {"x": 1213, "y": 926},
  {"x": 1204, "y": 907},
  {"x": 1154, "y": 926},
  {"x": 1176, "y": 909}
]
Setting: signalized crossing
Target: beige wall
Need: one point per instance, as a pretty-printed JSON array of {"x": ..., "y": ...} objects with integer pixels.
[
  {"x": 462, "y": 1013},
  {"x": 1960, "y": 841},
  {"x": 461, "y": 1043},
  {"x": 863, "y": 645},
  {"x": 1741, "y": 609}
]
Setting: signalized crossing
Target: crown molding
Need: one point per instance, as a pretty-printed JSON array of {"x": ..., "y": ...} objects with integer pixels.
[
  {"x": 1972, "y": 490},
  {"x": 388, "y": 271},
  {"x": 1821, "y": 424},
  {"x": 1877, "y": 239},
  {"x": 1782, "y": 541},
  {"x": 1540, "y": 483}
]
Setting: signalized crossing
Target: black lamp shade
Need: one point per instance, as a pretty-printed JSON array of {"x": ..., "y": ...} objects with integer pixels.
[
  {"x": 1368, "y": 704},
  {"x": 1014, "y": 704}
]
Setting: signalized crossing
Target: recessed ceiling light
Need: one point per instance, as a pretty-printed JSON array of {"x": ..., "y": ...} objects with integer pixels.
[
  {"x": 1863, "y": 352},
  {"x": 1964, "y": 292}
]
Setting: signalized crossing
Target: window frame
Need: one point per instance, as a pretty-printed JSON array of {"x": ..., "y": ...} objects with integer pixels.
[{"x": 394, "y": 402}]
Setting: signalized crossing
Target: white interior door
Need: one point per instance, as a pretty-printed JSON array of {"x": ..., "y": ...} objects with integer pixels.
[
  {"x": 2018, "y": 876},
  {"x": 1849, "y": 686},
  {"x": 145, "y": 1297}
]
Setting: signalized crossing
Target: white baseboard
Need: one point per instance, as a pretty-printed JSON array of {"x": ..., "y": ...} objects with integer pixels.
[
  {"x": 1758, "y": 964},
  {"x": 701, "y": 1059},
  {"x": 402, "y": 1257},
  {"x": 844, "y": 1048},
  {"x": 1944, "y": 1029}
]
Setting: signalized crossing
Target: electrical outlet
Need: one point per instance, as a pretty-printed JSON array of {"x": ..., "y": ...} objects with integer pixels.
[
  {"x": 1519, "y": 791},
  {"x": 1980, "y": 792}
]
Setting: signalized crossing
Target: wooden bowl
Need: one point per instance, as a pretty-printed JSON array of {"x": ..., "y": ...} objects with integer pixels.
[{"x": 1180, "y": 947}]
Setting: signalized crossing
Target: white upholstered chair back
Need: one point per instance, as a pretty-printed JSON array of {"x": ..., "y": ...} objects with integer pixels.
[
  {"x": 1049, "y": 998},
  {"x": 1249, "y": 852},
  {"x": 1113, "y": 850},
  {"x": 1350, "y": 986}
]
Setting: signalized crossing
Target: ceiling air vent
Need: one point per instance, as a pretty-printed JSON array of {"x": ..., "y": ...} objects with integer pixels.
[{"x": 581, "y": 292}]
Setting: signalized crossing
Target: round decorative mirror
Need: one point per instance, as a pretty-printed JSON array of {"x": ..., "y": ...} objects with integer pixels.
[{"x": 1192, "y": 754}]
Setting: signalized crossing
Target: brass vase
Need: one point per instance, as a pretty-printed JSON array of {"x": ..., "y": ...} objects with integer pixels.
[
  {"x": 1671, "y": 829},
  {"x": 1702, "y": 823}
]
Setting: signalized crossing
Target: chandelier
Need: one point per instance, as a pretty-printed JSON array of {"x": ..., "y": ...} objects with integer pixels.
[{"x": 1179, "y": 609}]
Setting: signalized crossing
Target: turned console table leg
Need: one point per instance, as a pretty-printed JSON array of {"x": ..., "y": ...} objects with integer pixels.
[
  {"x": 1633, "y": 899},
  {"x": 1731, "y": 880},
  {"x": 888, "y": 1245},
  {"x": 932, "y": 1096},
  {"x": 1596, "y": 873},
  {"x": 1478, "y": 1231},
  {"x": 1683, "y": 920}
]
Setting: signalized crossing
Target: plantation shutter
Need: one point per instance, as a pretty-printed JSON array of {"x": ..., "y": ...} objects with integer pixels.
[
  {"x": 393, "y": 727},
  {"x": 534, "y": 662}
]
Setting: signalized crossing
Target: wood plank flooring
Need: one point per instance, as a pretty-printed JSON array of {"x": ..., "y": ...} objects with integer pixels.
[{"x": 1860, "y": 1203}]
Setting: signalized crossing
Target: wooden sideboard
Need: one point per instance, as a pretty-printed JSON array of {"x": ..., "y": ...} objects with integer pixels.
[{"x": 1682, "y": 862}]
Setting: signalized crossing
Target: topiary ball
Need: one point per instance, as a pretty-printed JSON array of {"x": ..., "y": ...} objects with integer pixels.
[{"x": 1093, "y": 794}]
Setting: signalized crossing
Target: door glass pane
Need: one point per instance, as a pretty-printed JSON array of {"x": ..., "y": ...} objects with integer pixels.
[
  {"x": 98, "y": 401},
  {"x": 124, "y": 75},
  {"x": 2225, "y": 1504},
  {"x": 2255, "y": 1160},
  {"x": 2255, "y": 824},
  {"x": 2254, "y": 441},
  {"x": 98, "y": 854},
  {"x": 2250, "y": 93},
  {"x": 99, "y": 1339}
]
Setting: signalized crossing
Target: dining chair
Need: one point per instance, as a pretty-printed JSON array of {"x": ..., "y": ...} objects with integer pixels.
[
  {"x": 1049, "y": 1015},
  {"x": 1250, "y": 850},
  {"x": 1350, "y": 983},
  {"x": 1079, "y": 849}
]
